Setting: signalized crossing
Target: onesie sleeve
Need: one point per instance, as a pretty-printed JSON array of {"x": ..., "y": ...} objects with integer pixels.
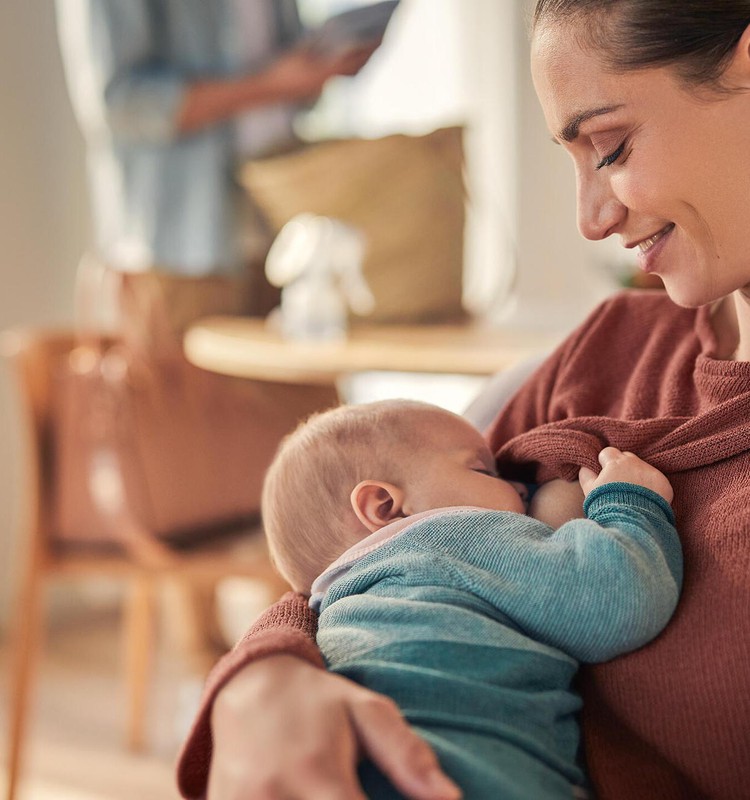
[
  {"x": 627, "y": 560},
  {"x": 288, "y": 627},
  {"x": 594, "y": 588}
]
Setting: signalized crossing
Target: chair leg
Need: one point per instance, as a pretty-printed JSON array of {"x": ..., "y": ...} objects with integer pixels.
[
  {"x": 139, "y": 644},
  {"x": 28, "y": 624},
  {"x": 191, "y": 626}
]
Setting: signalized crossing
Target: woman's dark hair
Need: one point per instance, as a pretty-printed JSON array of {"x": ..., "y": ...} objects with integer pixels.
[{"x": 697, "y": 37}]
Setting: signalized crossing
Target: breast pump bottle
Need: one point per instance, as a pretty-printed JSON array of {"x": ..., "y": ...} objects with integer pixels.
[{"x": 317, "y": 262}]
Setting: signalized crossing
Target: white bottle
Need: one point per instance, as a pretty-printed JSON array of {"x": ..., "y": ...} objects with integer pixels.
[{"x": 318, "y": 263}]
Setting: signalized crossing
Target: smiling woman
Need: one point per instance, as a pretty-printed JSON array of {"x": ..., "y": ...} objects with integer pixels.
[
  {"x": 637, "y": 137},
  {"x": 650, "y": 99},
  {"x": 643, "y": 125}
]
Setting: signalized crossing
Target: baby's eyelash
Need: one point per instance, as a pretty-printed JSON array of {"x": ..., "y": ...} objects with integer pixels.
[{"x": 607, "y": 161}]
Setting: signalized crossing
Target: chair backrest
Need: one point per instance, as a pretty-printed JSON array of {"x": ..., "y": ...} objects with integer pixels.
[
  {"x": 177, "y": 453},
  {"x": 39, "y": 359}
]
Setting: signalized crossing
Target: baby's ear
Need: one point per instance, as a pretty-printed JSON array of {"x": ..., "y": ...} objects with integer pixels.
[{"x": 376, "y": 503}]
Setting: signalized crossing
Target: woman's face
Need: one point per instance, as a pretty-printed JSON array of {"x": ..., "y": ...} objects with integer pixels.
[{"x": 666, "y": 170}]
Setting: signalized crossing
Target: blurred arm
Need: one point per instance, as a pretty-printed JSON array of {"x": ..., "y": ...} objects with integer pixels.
[
  {"x": 295, "y": 77},
  {"x": 121, "y": 79}
]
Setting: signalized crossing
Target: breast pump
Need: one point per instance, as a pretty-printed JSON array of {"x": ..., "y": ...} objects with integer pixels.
[{"x": 317, "y": 263}]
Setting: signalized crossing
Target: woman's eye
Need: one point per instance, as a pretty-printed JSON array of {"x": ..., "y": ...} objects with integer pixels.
[
  {"x": 485, "y": 472},
  {"x": 611, "y": 158}
]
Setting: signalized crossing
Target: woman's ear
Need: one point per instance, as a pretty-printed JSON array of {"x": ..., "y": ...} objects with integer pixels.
[
  {"x": 737, "y": 73},
  {"x": 376, "y": 503}
]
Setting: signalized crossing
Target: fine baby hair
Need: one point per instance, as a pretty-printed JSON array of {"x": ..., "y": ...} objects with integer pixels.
[{"x": 306, "y": 511}]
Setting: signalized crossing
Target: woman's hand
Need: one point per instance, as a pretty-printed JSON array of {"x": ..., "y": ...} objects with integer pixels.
[{"x": 285, "y": 729}]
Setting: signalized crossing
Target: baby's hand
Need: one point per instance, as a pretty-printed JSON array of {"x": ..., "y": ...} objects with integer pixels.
[{"x": 626, "y": 467}]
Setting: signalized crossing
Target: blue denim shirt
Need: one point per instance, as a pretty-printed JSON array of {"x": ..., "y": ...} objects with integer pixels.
[{"x": 158, "y": 197}]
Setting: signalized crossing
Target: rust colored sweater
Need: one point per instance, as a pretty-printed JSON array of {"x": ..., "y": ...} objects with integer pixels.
[{"x": 672, "y": 720}]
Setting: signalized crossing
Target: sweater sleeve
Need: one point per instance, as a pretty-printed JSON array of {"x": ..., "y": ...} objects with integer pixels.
[{"x": 288, "y": 627}]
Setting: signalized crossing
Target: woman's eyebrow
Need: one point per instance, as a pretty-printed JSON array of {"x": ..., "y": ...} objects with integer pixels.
[{"x": 570, "y": 131}]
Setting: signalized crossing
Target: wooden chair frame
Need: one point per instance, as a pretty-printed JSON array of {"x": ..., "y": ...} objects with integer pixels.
[{"x": 142, "y": 562}]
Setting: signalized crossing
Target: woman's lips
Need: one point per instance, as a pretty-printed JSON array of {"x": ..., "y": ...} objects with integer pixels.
[{"x": 649, "y": 249}]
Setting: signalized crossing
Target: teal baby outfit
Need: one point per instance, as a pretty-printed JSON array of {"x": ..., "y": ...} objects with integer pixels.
[{"x": 475, "y": 622}]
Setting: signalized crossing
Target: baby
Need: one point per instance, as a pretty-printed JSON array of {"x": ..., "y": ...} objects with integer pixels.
[{"x": 436, "y": 589}]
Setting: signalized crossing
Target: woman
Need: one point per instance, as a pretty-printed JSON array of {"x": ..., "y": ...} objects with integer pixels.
[{"x": 649, "y": 98}]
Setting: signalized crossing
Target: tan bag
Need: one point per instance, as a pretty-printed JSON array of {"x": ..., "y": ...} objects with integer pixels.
[{"x": 406, "y": 193}]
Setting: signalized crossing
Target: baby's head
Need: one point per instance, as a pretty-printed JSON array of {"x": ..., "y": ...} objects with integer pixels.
[{"x": 350, "y": 471}]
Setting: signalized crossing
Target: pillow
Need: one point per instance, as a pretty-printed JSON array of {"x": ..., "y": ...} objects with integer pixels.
[{"x": 405, "y": 193}]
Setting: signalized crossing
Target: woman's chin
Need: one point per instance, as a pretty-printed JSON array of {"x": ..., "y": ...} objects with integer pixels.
[{"x": 691, "y": 296}]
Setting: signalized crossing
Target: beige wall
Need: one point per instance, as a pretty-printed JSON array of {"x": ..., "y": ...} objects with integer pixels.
[{"x": 43, "y": 217}]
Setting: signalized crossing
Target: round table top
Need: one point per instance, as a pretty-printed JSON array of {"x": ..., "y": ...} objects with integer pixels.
[{"x": 251, "y": 348}]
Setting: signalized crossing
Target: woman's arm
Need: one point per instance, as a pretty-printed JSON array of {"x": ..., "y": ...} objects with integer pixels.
[{"x": 273, "y": 724}]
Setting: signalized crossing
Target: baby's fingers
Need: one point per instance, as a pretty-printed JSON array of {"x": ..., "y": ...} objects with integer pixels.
[
  {"x": 610, "y": 454},
  {"x": 586, "y": 477}
]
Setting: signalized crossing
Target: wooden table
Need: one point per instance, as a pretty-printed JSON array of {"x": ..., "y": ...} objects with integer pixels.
[{"x": 250, "y": 348}]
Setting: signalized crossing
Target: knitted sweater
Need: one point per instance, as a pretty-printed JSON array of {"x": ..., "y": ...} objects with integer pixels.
[
  {"x": 475, "y": 621},
  {"x": 672, "y": 720}
]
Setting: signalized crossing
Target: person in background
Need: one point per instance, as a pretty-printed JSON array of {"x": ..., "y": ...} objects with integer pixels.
[
  {"x": 171, "y": 97},
  {"x": 650, "y": 99},
  {"x": 434, "y": 587}
]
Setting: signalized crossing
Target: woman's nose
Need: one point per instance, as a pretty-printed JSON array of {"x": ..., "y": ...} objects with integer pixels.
[{"x": 599, "y": 211}]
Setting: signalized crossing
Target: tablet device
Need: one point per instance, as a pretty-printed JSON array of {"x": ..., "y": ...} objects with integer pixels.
[{"x": 352, "y": 27}]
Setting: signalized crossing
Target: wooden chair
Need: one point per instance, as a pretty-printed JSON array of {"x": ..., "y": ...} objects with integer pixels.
[{"x": 141, "y": 560}]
